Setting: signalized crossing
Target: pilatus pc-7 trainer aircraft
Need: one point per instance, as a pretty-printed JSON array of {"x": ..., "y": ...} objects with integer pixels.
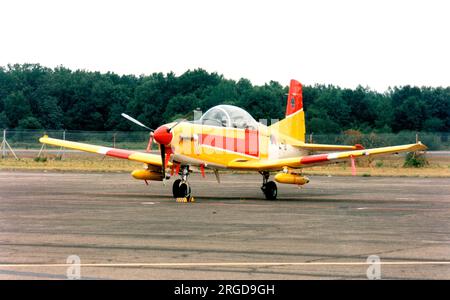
[{"x": 227, "y": 137}]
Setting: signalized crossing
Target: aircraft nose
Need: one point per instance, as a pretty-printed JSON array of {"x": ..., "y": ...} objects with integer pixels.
[{"x": 162, "y": 135}]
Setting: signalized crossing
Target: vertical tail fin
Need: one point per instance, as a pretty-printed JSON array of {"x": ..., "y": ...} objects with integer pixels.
[
  {"x": 295, "y": 98},
  {"x": 294, "y": 123}
]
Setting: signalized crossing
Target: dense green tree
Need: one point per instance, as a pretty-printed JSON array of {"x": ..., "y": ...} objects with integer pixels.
[
  {"x": 4, "y": 122},
  {"x": 265, "y": 102},
  {"x": 49, "y": 113},
  {"x": 384, "y": 113},
  {"x": 181, "y": 107},
  {"x": 433, "y": 124},
  {"x": 17, "y": 107},
  {"x": 29, "y": 123},
  {"x": 323, "y": 125},
  {"x": 224, "y": 92},
  {"x": 410, "y": 114},
  {"x": 32, "y": 96}
]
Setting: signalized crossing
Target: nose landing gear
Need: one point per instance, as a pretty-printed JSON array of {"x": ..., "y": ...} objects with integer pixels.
[
  {"x": 269, "y": 188},
  {"x": 181, "y": 190}
]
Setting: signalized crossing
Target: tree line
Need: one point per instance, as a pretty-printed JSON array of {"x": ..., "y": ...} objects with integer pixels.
[{"x": 36, "y": 97}]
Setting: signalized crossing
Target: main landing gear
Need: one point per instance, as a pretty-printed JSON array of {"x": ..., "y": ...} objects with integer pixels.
[
  {"x": 181, "y": 189},
  {"x": 269, "y": 188}
]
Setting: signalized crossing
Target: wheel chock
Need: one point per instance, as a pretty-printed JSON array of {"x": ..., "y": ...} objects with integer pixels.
[{"x": 184, "y": 200}]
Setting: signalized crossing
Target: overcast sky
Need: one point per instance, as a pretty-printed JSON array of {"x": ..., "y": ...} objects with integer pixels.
[{"x": 346, "y": 43}]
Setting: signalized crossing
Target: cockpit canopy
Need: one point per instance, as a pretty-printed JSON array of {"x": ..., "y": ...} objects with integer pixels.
[{"x": 228, "y": 116}]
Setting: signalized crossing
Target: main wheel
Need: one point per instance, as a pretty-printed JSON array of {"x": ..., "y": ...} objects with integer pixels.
[
  {"x": 176, "y": 188},
  {"x": 270, "y": 190},
  {"x": 184, "y": 190}
]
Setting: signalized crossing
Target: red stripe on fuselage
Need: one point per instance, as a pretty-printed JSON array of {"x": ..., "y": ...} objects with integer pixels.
[
  {"x": 119, "y": 153},
  {"x": 314, "y": 159},
  {"x": 249, "y": 145}
]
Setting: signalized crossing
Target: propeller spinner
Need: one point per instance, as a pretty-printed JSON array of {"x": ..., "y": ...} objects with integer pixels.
[{"x": 162, "y": 135}]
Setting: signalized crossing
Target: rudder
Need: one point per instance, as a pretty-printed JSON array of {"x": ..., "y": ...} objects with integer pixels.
[{"x": 293, "y": 125}]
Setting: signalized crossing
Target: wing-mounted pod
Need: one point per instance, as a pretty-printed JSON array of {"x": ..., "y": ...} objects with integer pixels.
[{"x": 288, "y": 177}]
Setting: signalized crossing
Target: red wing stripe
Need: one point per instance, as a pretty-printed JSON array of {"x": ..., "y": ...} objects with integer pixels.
[
  {"x": 119, "y": 153},
  {"x": 314, "y": 159}
]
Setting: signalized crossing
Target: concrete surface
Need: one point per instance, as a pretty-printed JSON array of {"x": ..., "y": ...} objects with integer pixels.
[{"x": 122, "y": 229}]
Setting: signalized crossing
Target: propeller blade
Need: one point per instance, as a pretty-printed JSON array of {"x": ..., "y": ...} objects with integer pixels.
[
  {"x": 163, "y": 161},
  {"x": 178, "y": 122},
  {"x": 135, "y": 121}
]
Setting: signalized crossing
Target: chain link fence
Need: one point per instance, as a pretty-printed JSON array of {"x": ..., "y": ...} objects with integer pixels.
[
  {"x": 29, "y": 139},
  {"x": 138, "y": 140},
  {"x": 435, "y": 141}
]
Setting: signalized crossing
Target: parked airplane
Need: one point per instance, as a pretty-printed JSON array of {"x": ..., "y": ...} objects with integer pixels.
[{"x": 227, "y": 137}]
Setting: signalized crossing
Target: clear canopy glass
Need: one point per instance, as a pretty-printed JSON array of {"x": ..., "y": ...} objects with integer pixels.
[{"x": 228, "y": 116}]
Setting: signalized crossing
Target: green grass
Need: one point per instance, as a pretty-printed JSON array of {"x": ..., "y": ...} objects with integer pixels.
[{"x": 391, "y": 166}]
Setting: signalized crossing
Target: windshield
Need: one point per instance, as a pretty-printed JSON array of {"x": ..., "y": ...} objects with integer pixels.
[{"x": 228, "y": 116}]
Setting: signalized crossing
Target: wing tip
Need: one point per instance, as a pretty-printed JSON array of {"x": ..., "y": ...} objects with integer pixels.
[
  {"x": 421, "y": 146},
  {"x": 41, "y": 140}
]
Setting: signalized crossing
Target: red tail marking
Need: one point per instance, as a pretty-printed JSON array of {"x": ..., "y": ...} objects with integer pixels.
[{"x": 295, "y": 98}]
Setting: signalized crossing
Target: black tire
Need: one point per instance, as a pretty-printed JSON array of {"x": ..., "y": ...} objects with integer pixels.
[
  {"x": 270, "y": 190},
  {"x": 176, "y": 188},
  {"x": 184, "y": 190}
]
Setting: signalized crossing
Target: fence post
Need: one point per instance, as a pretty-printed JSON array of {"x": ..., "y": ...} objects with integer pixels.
[
  {"x": 63, "y": 149},
  {"x": 6, "y": 144},
  {"x": 64, "y": 138},
  {"x": 42, "y": 147}
]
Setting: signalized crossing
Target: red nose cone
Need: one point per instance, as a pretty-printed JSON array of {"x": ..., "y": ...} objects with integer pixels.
[{"x": 162, "y": 135}]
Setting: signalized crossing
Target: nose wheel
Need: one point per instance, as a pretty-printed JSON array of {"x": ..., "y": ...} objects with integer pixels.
[
  {"x": 181, "y": 190},
  {"x": 269, "y": 188}
]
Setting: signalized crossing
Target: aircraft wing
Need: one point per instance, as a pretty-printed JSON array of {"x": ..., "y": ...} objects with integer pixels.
[
  {"x": 319, "y": 159},
  {"x": 148, "y": 158}
]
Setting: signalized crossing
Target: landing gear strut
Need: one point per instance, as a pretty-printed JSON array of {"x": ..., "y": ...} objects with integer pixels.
[
  {"x": 269, "y": 188},
  {"x": 181, "y": 189}
]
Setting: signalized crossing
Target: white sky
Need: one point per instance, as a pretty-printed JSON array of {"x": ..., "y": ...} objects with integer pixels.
[{"x": 346, "y": 43}]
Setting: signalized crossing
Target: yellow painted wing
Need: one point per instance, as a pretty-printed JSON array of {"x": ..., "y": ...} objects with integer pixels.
[
  {"x": 319, "y": 159},
  {"x": 148, "y": 158},
  {"x": 324, "y": 147}
]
